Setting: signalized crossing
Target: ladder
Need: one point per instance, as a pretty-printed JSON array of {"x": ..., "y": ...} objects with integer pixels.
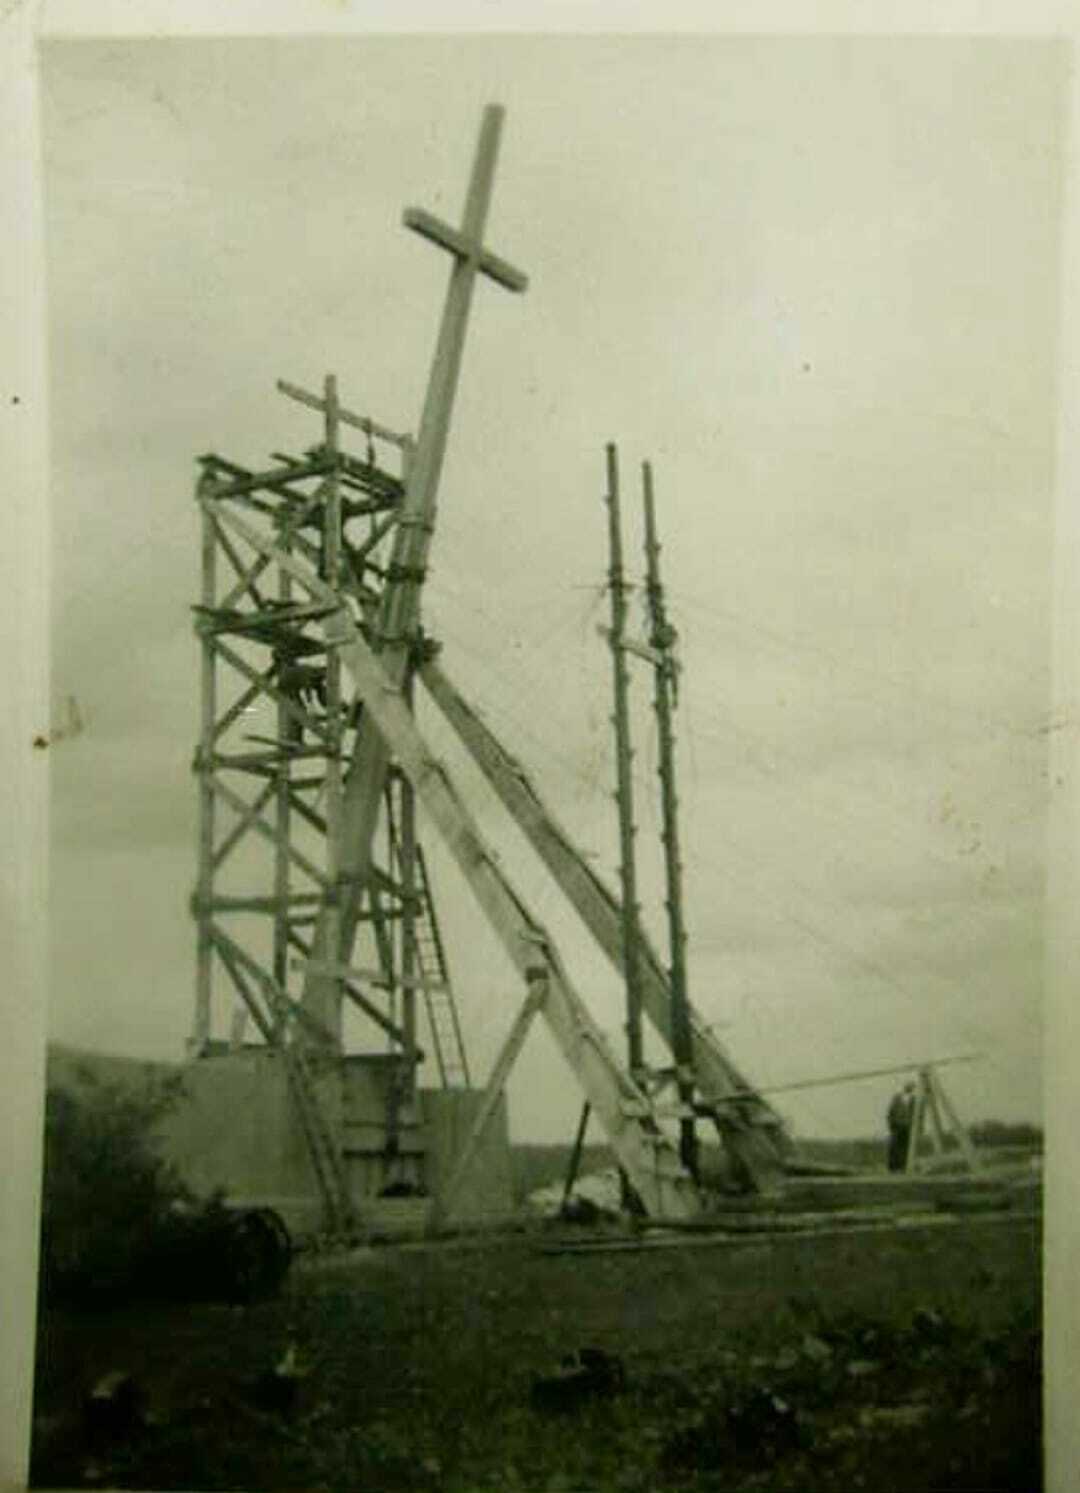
[
  {"x": 431, "y": 969},
  {"x": 439, "y": 1002}
]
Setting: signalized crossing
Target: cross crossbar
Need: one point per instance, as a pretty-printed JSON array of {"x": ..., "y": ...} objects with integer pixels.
[{"x": 463, "y": 247}]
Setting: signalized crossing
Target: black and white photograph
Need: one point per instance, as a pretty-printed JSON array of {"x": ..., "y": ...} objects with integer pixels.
[{"x": 552, "y": 746}]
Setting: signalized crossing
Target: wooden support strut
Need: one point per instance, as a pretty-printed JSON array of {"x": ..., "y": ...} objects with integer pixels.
[
  {"x": 935, "y": 1116},
  {"x": 576, "y": 1152},
  {"x": 959, "y": 1130},
  {"x": 754, "y": 1131},
  {"x": 666, "y": 1189},
  {"x": 346, "y": 417},
  {"x": 443, "y": 1206}
]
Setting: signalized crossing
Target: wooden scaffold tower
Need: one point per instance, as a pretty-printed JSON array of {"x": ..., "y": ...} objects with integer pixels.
[{"x": 312, "y": 578}]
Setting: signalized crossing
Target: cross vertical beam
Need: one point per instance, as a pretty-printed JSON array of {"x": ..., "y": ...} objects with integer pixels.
[{"x": 399, "y": 608}]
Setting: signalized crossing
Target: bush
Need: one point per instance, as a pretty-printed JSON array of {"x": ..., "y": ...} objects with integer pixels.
[
  {"x": 1003, "y": 1133},
  {"x": 105, "y": 1188}
]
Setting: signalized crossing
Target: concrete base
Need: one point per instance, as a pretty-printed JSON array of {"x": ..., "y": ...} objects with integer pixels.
[{"x": 239, "y": 1131}]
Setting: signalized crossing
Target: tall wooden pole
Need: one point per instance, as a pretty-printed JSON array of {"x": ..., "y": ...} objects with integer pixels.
[
  {"x": 287, "y": 731},
  {"x": 205, "y": 766},
  {"x": 407, "y": 870},
  {"x": 332, "y": 1011},
  {"x": 662, "y": 637},
  {"x": 575, "y": 1155},
  {"x": 624, "y": 788}
]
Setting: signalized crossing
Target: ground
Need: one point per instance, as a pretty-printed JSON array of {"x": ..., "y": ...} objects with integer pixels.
[{"x": 906, "y": 1361}]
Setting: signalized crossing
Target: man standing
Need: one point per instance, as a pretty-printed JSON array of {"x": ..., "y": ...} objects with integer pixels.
[{"x": 900, "y": 1115}]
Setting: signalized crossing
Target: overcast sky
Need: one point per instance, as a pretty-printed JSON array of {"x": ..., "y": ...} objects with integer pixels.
[{"x": 815, "y": 282}]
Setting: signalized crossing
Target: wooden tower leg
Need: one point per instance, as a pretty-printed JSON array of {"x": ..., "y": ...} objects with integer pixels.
[{"x": 200, "y": 1035}]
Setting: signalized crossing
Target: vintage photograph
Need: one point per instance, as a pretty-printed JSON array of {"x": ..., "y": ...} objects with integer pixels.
[{"x": 550, "y": 761}]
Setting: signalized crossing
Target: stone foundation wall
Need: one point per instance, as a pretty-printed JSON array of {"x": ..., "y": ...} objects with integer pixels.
[{"x": 239, "y": 1131}]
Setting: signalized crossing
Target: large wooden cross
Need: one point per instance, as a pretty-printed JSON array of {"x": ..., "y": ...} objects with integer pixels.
[{"x": 398, "y": 612}]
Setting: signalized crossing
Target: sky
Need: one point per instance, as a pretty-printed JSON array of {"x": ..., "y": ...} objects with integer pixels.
[{"x": 816, "y": 284}]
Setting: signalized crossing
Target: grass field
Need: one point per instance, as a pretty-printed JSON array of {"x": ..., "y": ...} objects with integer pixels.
[{"x": 906, "y": 1361}]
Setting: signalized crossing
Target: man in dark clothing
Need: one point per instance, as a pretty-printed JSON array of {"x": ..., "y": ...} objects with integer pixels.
[{"x": 900, "y": 1115}]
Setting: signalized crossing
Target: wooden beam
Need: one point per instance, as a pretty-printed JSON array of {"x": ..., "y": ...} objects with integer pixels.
[
  {"x": 207, "y": 734},
  {"x": 665, "y": 1187},
  {"x": 222, "y": 790},
  {"x": 372, "y": 976},
  {"x": 959, "y": 1130},
  {"x": 443, "y": 1205},
  {"x": 278, "y": 998},
  {"x": 575, "y": 1154},
  {"x": 629, "y": 910},
  {"x": 274, "y": 480},
  {"x": 369, "y": 1008},
  {"x": 458, "y": 243},
  {"x": 313, "y": 584},
  {"x": 379, "y": 530},
  {"x": 718, "y": 1077},
  {"x": 289, "y": 532},
  {"x": 237, "y": 564},
  {"x": 664, "y": 697},
  {"x": 223, "y": 903},
  {"x": 640, "y": 650},
  {"x": 358, "y": 422},
  {"x": 240, "y": 829},
  {"x": 295, "y": 712},
  {"x": 246, "y": 994},
  {"x": 862, "y": 1073},
  {"x": 238, "y": 707}
]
